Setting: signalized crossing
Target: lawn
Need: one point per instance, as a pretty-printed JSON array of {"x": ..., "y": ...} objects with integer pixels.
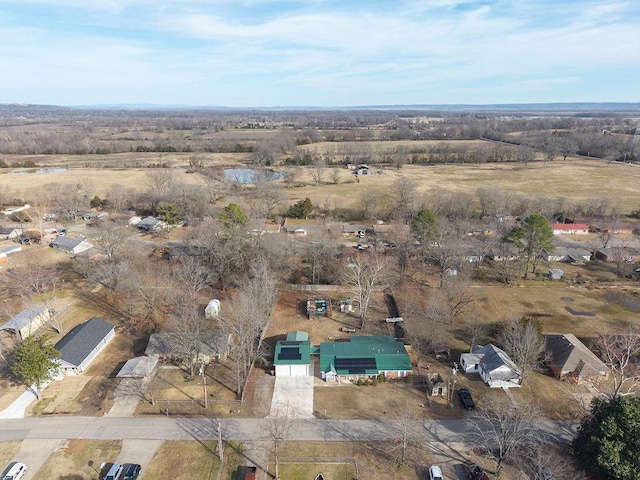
[
  {"x": 80, "y": 459},
  {"x": 8, "y": 451},
  {"x": 186, "y": 460}
]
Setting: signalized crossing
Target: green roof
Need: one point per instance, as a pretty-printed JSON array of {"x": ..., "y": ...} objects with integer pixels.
[
  {"x": 292, "y": 353},
  {"x": 297, "y": 336},
  {"x": 365, "y": 355}
]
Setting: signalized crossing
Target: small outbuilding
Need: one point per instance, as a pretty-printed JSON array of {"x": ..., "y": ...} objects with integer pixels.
[
  {"x": 139, "y": 367},
  {"x": 212, "y": 310},
  {"x": 28, "y": 321},
  {"x": 293, "y": 356},
  {"x": 555, "y": 274},
  {"x": 83, "y": 344}
]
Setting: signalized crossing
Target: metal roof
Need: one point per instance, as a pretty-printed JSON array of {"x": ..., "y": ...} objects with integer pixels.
[
  {"x": 364, "y": 355},
  {"x": 297, "y": 336},
  {"x": 24, "y": 318},
  {"x": 290, "y": 352}
]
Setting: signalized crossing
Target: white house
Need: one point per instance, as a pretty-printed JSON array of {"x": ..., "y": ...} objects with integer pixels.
[
  {"x": 9, "y": 233},
  {"x": 493, "y": 365},
  {"x": 570, "y": 228},
  {"x": 83, "y": 344}
]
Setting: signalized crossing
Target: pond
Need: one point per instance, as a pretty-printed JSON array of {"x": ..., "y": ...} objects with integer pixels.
[
  {"x": 252, "y": 175},
  {"x": 40, "y": 170}
]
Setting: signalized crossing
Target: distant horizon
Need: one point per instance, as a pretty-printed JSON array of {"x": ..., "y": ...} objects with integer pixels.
[{"x": 322, "y": 53}]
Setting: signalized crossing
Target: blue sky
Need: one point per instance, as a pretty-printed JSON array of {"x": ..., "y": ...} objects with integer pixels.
[{"x": 261, "y": 53}]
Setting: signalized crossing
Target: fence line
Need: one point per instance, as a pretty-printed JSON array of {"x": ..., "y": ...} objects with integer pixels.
[{"x": 327, "y": 460}]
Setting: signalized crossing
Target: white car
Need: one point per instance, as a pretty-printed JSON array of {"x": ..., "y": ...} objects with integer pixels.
[
  {"x": 435, "y": 473},
  {"x": 16, "y": 471}
]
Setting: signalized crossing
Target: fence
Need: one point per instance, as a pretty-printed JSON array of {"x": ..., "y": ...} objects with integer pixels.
[{"x": 325, "y": 460}]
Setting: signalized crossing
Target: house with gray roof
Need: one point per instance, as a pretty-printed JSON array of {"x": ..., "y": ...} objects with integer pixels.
[
  {"x": 493, "y": 365},
  {"x": 72, "y": 245},
  {"x": 83, "y": 344},
  {"x": 9, "y": 233},
  {"x": 214, "y": 346}
]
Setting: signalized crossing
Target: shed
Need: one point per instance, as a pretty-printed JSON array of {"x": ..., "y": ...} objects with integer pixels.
[
  {"x": 139, "y": 367},
  {"x": 28, "y": 321},
  {"x": 212, "y": 310},
  {"x": 293, "y": 356},
  {"x": 83, "y": 344},
  {"x": 555, "y": 274},
  {"x": 72, "y": 245},
  {"x": 364, "y": 357}
]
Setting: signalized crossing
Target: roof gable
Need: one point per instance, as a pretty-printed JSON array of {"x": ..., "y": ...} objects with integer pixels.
[
  {"x": 24, "y": 318},
  {"x": 567, "y": 351}
]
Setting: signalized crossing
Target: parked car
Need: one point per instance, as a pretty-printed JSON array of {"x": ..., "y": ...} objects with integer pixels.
[
  {"x": 466, "y": 399},
  {"x": 14, "y": 471},
  {"x": 250, "y": 473},
  {"x": 476, "y": 473},
  {"x": 115, "y": 472},
  {"x": 131, "y": 471},
  {"x": 435, "y": 473}
]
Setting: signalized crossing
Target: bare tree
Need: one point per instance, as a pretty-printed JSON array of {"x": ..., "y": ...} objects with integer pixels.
[
  {"x": 424, "y": 327},
  {"x": 620, "y": 353},
  {"x": 522, "y": 340},
  {"x": 505, "y": 432},
  {"x": 317, "y": 170},
  {"x": 476, "y": 332},
  {"x": 452, "y": 300},
  {"x": 363, "y": 275},
  {"x": 321, "y": 256},
  {"x": 277, "y": 428},
  {"x": 187, "y": 331},
  {"x": 406, "y": 430}
]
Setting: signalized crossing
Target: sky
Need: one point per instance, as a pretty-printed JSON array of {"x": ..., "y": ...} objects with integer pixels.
[{"x": 324, "y": 53}]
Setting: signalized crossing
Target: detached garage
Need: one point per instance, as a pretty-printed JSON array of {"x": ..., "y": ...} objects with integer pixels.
[
  {"x": 28, "y": 321},
  {"x": 293, "y": 356}
]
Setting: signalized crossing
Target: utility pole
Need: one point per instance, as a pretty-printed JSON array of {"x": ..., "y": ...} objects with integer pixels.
[
  {"x": 220, "y": 451},
  {"x": 204, "y": 384}
]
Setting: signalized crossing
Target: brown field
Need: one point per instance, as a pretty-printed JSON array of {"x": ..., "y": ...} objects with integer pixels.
[
  {"x": 7, "y": 452},
  {"x": 186, "y": 460},
  {"x": 73, "y": 461}
]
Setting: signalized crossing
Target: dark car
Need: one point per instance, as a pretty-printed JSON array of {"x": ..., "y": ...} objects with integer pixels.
[
  {"x": 466, "y": 399},
  {"x": 131, "y": 471},
  {"x": 476, "y": 473}
]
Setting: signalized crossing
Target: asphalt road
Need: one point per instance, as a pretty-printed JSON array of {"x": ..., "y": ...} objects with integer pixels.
[{"x": 242, "y": 429}]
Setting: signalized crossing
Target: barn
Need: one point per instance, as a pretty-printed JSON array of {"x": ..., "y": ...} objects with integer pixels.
[
  {"x": 83, "y": 344},
  {"x": 28, "y": 321},
  {"x": 293, "y": 356}
]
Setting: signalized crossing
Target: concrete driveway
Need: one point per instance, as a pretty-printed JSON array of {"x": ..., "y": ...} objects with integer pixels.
[
  {"x": 33, "y": 453},
  {"x": 138, "y": 451},
  {"x": 295, "y": 392}
]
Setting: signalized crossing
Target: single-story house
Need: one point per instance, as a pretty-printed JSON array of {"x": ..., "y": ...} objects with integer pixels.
[
  {"x": 622, "y": 228},
  {"x": 83, "y": 344},
  {"x": 139, "y": 367},
  {"x": 570, "y": 228},
  {"x": 293, "y": 356},
  {"x": 570, "y": 359},
  {"x": 566, "y": 254},
  {"x": 503, "y": 253},
  {"x": 28, "y": 321},
  {"x": 215, "y": 346},
  {"x": 493, "y": 365},
  {"x": 151, "y": 224},
  {"x": 622, "y": 253},
  {"x": 9, "y": 233},
  {"x": 362, "y": 170},
  {"x": 364, "y": 357},
  {"x": 72, "y": 245}
]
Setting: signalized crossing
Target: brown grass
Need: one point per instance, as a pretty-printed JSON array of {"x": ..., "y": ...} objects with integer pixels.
[
  {"x": 8, "y": 451},
  {"x": 75, "y": 459},
  {"x": 185, "y": 460}
]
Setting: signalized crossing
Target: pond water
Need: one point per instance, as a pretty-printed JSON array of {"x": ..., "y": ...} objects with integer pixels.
[
  {"x": 252, "y": 175},
  {"x": 41, "y": 170}
]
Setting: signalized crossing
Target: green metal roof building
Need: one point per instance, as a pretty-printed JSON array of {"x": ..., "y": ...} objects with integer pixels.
[
  {"x": 293, "y": 355},
  {"x": 364, "y": 356}
]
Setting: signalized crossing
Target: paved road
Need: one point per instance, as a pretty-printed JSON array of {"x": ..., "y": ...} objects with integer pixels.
[{"x": 242, "y": 429}]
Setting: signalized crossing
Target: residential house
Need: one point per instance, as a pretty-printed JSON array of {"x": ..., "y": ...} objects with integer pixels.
[
  {"x": 493, "y": 365},
  {"x": 28, "y": 321},
  {"x": 9, "y": 233},
  {"x": 619, "y": 253},
  {"x": 83, "y": 344},
  {"x": 293, "y": 356},
  {"x": 566, "y": 254},
  {"x": 364, "y": 357},
  {"x": 503, "y": 253},
  {"x": 570, "y": 228},
  {"x": 151, "y": 224},
  {"x": 570, "y": 359},
  {"x": 617, "y": 228},
  {"x": 214, "y": 346},
  {"x": 74, "y": 245}
]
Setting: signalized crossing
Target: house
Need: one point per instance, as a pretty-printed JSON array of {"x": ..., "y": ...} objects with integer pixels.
[
  {"x": 570, "y": 228},
  {"x": 83, "y": 344},
  {"x": 619, "y": 253},
  {"x": 364, "y": 357},
  {"x": 74, "y": 245},
  {"x": 493, "y": 365},
  {"x": 618, "y": 228},
  {"x": 151, "y": 224},
  {"x": 28, "y": 321},
  {"x": 9, "y": 233},
  {"x": 139, "y": 367},
  {"x": 293, "y": 356},
  {"x": 570, "y": 359},
  {"x": 505, "y": 252},
  {"x": 566, "y": 254},
  {"x": 362, "y": 169},
  {"x": 214, "y": 346}
]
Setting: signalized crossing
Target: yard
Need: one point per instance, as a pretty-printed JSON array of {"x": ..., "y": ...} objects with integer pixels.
[{"x": 80, "y": 459}]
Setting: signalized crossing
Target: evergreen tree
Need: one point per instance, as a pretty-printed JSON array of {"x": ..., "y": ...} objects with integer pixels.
[{"x": 36, "y": 362}]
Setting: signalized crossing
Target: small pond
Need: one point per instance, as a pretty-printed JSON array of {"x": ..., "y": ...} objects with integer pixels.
[
  {"x": 252, "y": 175},
  {"x": 40, "y": 170}
]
